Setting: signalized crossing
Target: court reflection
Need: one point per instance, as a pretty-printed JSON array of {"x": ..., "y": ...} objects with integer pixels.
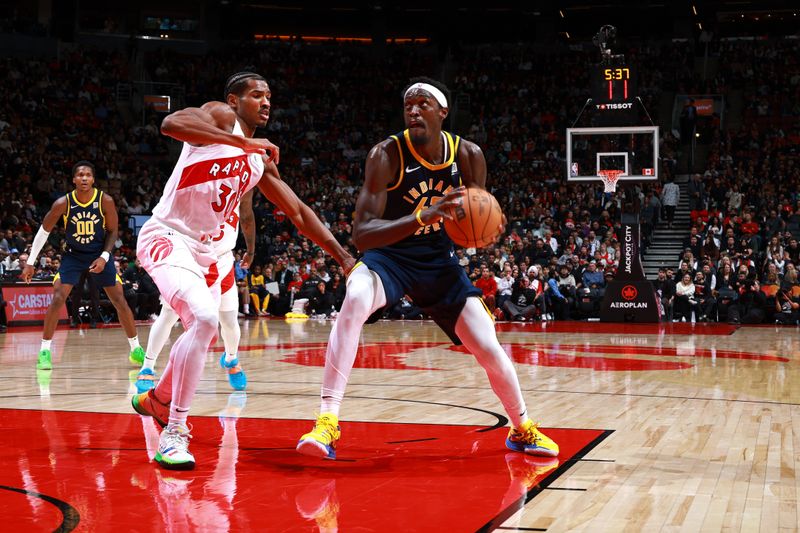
[
  {"x": 187, "y": 502},
  {"x": 319, "y": 503}
]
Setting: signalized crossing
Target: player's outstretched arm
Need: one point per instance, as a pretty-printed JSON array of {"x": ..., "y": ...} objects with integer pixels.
[
  {"x": 279, "y": 193},
  {"x": 213, "y": 124},
  {"x": 247, "y": 219},
  {"x": 57, "y": 210},
  {"x": 372, "y": 231}
]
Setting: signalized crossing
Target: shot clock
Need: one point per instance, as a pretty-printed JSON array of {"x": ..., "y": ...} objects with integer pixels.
[{"x": 613, "y": 83}]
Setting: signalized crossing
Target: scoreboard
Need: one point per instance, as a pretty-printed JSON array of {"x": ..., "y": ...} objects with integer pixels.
[{"x": 613, "y": 83}]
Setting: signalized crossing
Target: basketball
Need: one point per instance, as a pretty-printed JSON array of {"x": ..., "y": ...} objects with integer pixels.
[{"x": 476, "y": 221}]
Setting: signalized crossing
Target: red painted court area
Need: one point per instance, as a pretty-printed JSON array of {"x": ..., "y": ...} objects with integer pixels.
[{"x": 92, "y": 472}]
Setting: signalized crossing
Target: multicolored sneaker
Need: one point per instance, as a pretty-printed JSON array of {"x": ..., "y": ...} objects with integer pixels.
[
  {"x": 529, "y": 470},
  {"x": 137, "y": 356},
  {"x": 236, "y": 376},
  {"x": 173, "y": 448},
  {"x": 321, "y": 441},
  {"x": 44, "y": 362},
  {"x": 528, "y": 439},
  {"x": 146, "y": 380},
  {"x": 146, "y": 404}
]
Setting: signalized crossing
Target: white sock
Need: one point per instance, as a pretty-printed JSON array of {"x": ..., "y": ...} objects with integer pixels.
[
  {"x": 178, "y": 415},
  {"x": 46, "y": 344},
  {"x": 246, "y": 308},
  {"x": 149, "y": 362},
  {"x": 134, "y": 342},
  {"x": 331, "y": 402},
  {"x": 230, "y": 332}
]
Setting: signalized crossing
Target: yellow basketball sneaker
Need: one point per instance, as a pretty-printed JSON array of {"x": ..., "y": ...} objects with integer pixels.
[
  {"x": 528, "y": 439},
  {"x": 321, "y": 441}
]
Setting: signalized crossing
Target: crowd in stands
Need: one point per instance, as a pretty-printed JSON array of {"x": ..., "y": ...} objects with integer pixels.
[{"x": 329, "y": 107}]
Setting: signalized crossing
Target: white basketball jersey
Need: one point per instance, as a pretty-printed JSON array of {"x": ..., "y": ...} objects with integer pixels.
[
  {"x": 228, "y": 233},
  {"x": 205, "y": 187}
]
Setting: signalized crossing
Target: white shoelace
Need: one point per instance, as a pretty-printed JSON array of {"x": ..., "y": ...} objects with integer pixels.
[{"x": 177, "y": 438}]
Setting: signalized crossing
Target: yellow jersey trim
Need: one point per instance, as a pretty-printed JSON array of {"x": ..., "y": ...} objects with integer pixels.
[
  {"x": 66, "y": 215},
  {"x": 486, "y": 308},
  {"x": 455, "y": 151},
  {"x": 358, "y": 264},
  {"x": 94, "y": 197},
  {"x": 402, "y": 165},
  {"x": 58, "y": 276},
  {"x": 100, "y": 203},
  {"x": 421, "y": 161}
]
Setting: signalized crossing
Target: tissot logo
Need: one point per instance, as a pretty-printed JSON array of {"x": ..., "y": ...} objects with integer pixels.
[{"x": 603, "y": 107}]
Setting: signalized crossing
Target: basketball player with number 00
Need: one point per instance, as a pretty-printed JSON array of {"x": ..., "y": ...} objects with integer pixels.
[{"x": 90, "y": 223}]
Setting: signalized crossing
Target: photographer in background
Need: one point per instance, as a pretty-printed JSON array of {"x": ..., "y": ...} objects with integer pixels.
[
  {"x": 787, "y": 308},
  {"x": 749, "y": 309}
]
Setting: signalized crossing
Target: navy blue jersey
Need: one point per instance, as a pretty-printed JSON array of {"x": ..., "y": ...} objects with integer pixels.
[
  {"x": 419, "y": 185},
  {"x": 85, "y": 225}
]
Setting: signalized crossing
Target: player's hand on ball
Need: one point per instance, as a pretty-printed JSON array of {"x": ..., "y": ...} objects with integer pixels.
[
  {"x": 443, "y": 209},
  {"x": 501, "y": 229}
]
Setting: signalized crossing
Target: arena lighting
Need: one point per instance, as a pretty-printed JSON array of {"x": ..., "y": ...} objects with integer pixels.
[
  {"x": 339, "y": 39},
  {"x": 694, "y": 10}
]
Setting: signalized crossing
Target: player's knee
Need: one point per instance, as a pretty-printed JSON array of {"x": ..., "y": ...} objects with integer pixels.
[
  {"x": 206, "y": 320},
  {"x": 358, "y": 303}
]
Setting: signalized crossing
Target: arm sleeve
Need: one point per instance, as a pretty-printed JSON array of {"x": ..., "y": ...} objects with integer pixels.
[{"x": 38, "y": 244}]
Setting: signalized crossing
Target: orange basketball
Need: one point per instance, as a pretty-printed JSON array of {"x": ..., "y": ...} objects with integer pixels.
[{"x": 476, "y": 221}]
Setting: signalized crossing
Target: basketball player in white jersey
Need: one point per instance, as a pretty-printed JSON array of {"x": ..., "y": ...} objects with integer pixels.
[
  {"x": 215, "y": 169},
  {"x": 229, "y": 301}
]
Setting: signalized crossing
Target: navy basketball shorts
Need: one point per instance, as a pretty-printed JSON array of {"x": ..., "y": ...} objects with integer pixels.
[
  {"x": 73, "y": 266},
  {"x": 440, "y": 289}
]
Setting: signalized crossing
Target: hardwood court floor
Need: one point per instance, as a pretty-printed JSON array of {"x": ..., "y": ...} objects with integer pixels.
[{"x": 676, "y": 427}]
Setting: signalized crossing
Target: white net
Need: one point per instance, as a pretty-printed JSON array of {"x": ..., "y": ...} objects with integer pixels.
[{"x": 610, "y": 179}]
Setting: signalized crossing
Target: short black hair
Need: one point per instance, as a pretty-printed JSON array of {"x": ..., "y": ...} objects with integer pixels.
[
  {"x": 237, "y": 83},
  {"x": 83, "y": 163},
  {"x": 430, "y": 81}
]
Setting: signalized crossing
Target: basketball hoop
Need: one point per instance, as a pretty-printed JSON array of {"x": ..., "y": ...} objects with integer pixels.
[{"x": 610, "y": 178}]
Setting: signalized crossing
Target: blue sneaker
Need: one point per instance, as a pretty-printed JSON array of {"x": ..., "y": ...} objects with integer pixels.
[
  {"x": 236, "y": 376},
  {"x": 146, "y": 380}
]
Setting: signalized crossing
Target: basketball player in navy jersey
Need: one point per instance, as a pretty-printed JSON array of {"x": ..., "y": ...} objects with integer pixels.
[
  {"x": 90, "y": 221},
  {"x": 413, "y": 180}
]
